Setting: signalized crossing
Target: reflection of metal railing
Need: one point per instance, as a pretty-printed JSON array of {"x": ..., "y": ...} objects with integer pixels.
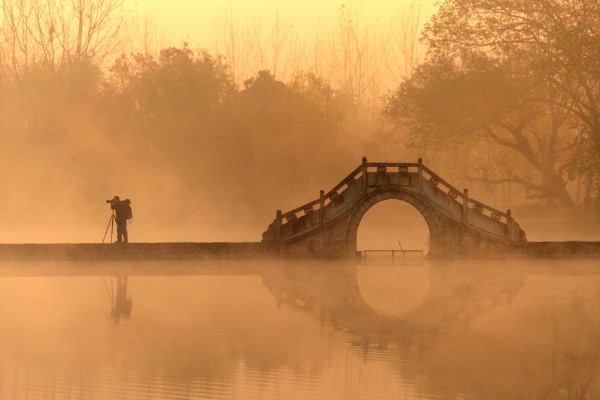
[{"x": 392, "y": 257}]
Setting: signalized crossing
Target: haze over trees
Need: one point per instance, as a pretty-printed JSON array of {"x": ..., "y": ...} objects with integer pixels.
[
  {"x": 520, "y": 76},
  {"x": 507, "y": 95}
]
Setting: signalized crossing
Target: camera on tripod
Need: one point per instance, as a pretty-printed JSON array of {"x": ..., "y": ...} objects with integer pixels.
[{"x": 121, "y": 213}]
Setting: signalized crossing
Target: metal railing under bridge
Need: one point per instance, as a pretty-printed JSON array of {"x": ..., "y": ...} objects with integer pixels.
[{"x": 392, "y": 257}]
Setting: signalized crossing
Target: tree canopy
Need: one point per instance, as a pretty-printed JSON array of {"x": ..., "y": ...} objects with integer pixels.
[{"x": 518, "y": 74}]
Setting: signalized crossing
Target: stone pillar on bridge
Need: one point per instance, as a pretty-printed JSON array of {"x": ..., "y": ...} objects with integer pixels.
[
  {"x": 509, "y": 224},
  {"x": 364, "y": 176},
  {"x": 322, "y": 207},
  {"x": 278, "y": 223},
  {"x": 465, "y": 212},
  {"x": 420, "y": 175}
]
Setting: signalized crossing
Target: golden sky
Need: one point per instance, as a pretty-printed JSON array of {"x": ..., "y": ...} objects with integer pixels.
[{"x": 197, "y": 22}]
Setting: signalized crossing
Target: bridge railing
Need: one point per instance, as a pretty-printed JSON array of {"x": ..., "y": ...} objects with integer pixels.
[
  {"x": 423, "y": 172},
  {"x": 393, "y": 165},
  {"x": 327, "y": 197},
  {"x": 454, "y": 193},
  {"x": 435, "y": 179},
  {"x": 350, "y": 179},
  {"x": 494, "y": 213},
  {"x": 305, "y": 208}
]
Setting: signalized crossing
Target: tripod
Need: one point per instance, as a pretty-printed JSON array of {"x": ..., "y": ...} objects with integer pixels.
[{"x": 111, "y": 224}]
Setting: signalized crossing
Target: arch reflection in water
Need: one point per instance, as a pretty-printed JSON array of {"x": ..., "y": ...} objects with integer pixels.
[
  {"x": 393, "y": 291},
  {"x": 491, "y": 329},
  {"x": 506, "y": 331},
  {"x": 416, "y": 300}
]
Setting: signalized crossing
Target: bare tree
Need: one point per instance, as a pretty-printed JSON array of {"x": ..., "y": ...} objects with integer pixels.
[
  {"x": 17, "y": 19},
  {"x": 144, "y": 35},
  {"x": 236, "y": 44},
  {"x": 403, "y": 52},
  {"x": 59, "y": 32},
  {"x": 281, "y": 52},
  {"x": 319, "y": 52},
  {"x": 354, "y": 59},
  {"x": 90, "y": 30}
]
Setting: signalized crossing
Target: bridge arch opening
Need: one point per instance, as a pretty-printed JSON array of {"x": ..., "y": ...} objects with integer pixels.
[
  {"x": 393, "y": 224},
  {"x": 384, "y": 194}
]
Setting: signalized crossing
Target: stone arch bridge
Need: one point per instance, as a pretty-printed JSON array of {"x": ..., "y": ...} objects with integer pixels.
[{"x": 458, "y": 224}]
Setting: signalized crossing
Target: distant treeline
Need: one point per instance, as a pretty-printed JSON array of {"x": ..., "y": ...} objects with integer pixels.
[
  {"x": 177, "y": 125},
  {"x": 506, "y": 100}
]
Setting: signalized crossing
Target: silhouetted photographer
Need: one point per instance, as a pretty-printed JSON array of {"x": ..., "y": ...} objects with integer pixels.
[{"x": 122, "y": 214}]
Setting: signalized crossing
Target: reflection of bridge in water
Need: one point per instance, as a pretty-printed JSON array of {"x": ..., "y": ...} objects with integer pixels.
[
  {"x": 457, "y": 223},
  {"x": 545, "y": 356},
  {"x": 438, "y": 342},
  {"x": 333, "y": 295}
]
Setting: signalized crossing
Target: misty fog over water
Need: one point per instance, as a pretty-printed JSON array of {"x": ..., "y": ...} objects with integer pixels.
[
  {"x": 211, "y": 116},
  {"x": 300, "y": 330},
  {"x": 259, "y": 110}
]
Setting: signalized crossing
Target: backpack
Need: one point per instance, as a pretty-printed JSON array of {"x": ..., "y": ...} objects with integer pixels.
[{"x": 128, "y": 213}]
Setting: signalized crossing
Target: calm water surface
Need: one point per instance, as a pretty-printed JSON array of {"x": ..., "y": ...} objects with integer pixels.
[{"x": 272, "y": 330}]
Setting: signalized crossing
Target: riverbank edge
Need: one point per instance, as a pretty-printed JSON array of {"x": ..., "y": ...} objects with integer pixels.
[{"x": 240, "y": 250}]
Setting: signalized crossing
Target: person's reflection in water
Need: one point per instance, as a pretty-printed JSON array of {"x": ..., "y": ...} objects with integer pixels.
[{"x": 121, "y": 304}]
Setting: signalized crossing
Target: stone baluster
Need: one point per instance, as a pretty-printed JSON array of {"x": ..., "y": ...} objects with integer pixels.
[
  {"x": 465, "y": 213},
  {"x": 278, "y": 223},
  {"x": 420, "y": 176},
  {"x": 364, "y": 175},
  {"x": 322, "y": 207},
  {"x": 509, "y": 225}
]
